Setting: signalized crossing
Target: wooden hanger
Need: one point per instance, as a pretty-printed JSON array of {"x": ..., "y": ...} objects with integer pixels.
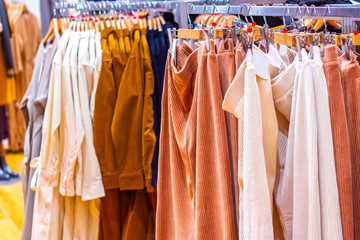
[
  {"x": 154, "y": 24},
  {"x": 145, "y": 22},
  {"x": 90, "y": 24},
  {"x": 150, "y": 24},
  {"x": 63, "y": 24},
  {"x": 78, "y": 25},
  {"x": 159, "y": 24},
  {"x": 141, "y": 24},
  {"x": 118, "y": 22},
  {"x": 107, "y": 21},
  {"x": 289, "y": 39},
  {"x": 127, "y": 22},
  {"x": 72, "y": 22},
  {"x": 82, "y": 24},
  {"x": 96, "y": 25},
  {"x": 101, "y": 23},
  {"x": 53, "y": 28},
  {"x": 162, "y": 20},
  {"x": 198, "y": 34}
]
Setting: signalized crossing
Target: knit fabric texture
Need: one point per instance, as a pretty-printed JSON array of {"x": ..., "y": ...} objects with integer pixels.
[{"x": 250, "y": 99}]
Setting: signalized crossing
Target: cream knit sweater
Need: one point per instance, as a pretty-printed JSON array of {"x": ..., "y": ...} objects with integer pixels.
[
  {"x": 250, "y": 99},
  {"x": 329, "y": 197},
  {"x": 302, "y": 157},
  {"x": 282, "y": 87}
]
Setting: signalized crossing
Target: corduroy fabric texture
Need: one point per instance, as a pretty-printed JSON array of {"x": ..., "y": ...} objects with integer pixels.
[
  {"x": 105, "y": 100},
  {"x": 194, "y": 199},
  {"x": 340, "y": 139},
  {"x": 240, "y": 55},
  {"x": 350, "y": 78},
  {"x": 226, "y": 62},
  {"x": 129, "y": 214}
]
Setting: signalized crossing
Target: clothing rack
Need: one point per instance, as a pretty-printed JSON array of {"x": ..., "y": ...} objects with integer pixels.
[
  {"x": 176, "y": 7},
  {"x": 293, "y": 10},
  {"x": 163, "y": 6},
  {"x": 347, "y": 13}
]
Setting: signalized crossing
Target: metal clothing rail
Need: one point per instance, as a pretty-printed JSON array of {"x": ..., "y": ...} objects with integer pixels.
[
  {"x": 294, "y": 11},
  {"x": 178, "y": 8},
  {"x": 119, "y": 5}
]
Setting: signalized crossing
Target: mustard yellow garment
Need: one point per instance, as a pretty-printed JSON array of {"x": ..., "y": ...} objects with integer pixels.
[
  {"x": 126, "y": 126},
  {"x": 148, "y": 138},
  {"x": 105, "y": 100}
]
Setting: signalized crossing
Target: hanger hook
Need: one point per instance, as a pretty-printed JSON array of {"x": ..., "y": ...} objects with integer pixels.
[
  {"x": 205, "y": 8},
  {"x": 214, "y": 8},
  {"x": 264, "y": 17},
  {"x": 240, "y": 12},
  {"x": 354, "y": 22},
  {"x": 298, "y": 9},
  {"x": 229, "y": 7},
  {"x": 188, "y": 16},
  {"x": 250, "y": 8},
  {"x": 248, "y": 13},
  {"x": 306, "y": 7},
  {"x": 286, "y": 8},
  {"x": 326, "y": 12},
  {"x": 313, "y": 10},
  {"x": 211, "y": 16},
  {"x": 202, "y": 15}
]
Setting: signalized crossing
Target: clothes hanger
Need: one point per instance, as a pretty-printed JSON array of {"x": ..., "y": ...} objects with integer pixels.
[
  {"x": 53, "y": 28},
  {"x": 144, "y": 20},
  {"x": 78, "y": 24},
  {"x": 82, "y": 24},
  {"x": 71, "y": 24},
  {"x": 162, "y": 20},
  {"x": 159, "y": 25},
  {"x": 155, "y": 25},
  {"x": 101, "y": 22},
  {"x": 96, "y": 25},
  {"x": 150, "y": 24}
]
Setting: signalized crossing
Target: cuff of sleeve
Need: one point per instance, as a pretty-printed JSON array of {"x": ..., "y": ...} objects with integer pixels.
[
  {"x": 233, "y": 100},
  {"x": 93, "y": 191},
  {"x": 149, "y": 187}
]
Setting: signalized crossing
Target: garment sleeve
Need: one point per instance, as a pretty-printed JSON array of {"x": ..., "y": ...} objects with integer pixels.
[
  {"x": 105, "y": 99},
  {"x": 92, "y": 186},
  {"x": 148, "y": 134},
  {"x": 49, "y": 156}
]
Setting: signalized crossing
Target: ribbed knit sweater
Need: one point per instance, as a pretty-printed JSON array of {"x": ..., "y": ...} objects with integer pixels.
[
  {"x": 302, "y": 158},
  {"x": 329, "y": 197},
  {"x": 194, "y": 189},
  {"x": 340, "y": 139},
  {"x": 250, "y": 99},
  {"x": 350, "y": 77},
  {"x": 282, "y": 89}
]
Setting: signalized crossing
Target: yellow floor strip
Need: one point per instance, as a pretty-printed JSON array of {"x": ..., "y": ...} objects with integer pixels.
[{"x": 12, "y": 203}]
